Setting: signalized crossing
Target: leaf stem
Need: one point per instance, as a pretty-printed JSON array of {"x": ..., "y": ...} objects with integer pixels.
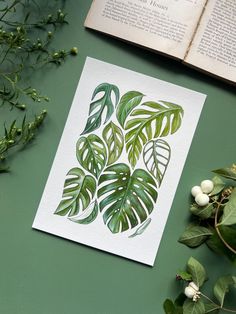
[
  {"x": 9, "y": 9},
  {"x": 218, "y": 306}
]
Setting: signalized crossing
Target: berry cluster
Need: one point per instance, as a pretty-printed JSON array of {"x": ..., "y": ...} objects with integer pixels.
[{"x": 201, "y": 193}]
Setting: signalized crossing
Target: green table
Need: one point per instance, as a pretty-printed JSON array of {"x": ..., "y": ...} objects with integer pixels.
[{"x": 43, "y": 274}]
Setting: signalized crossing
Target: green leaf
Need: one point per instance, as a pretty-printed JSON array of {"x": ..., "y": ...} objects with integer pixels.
[
  {"x": 184, "y": 275},
  {"x": 212, "y": 308},
  {"x": 169, "y": 307},
  {"x": 88, "y": 216},
  {"x": 229, "y": 214},
  {"x": 203, "y": 212},
  {"x": 191, "y": 307},
  {"x": 101, "y": 105},
  {"x": 229, "y": 173},
  {"x": 114, "y": 139},
  {"x": 197, "y": 271},
  {"x": 79, "y": 190},
  {"x": 218, "y": 185},
  {"x": 222, "y": 286},
  {"x": 91, "y": 154},
  {"x": 127, "y": 103},
  {"x": 125, "y": 199},
  {"x": 216, "y": 244},
  {"x": 195, "y": 236},
  {"x": 179, "y": 301},
  {"x": 156, "y": 156},
  {"x": 141, "y": 229},
  {"x": 151, "y": 121}
]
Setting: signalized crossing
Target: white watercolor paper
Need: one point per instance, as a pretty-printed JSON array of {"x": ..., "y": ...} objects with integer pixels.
[{"x": 122, "y": 151}]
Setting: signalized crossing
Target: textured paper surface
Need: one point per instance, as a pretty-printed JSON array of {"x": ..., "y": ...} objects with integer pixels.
[{"x": 143, "y": 247}]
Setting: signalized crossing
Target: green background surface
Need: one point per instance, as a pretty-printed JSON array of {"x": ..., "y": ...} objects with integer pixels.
[{"x": 44, "y": 274}]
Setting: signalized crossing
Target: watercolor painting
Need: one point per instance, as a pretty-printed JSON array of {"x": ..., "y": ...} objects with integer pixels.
[
  {"x": 119, "y": 161},
  {"x": 123, "y": 194}
]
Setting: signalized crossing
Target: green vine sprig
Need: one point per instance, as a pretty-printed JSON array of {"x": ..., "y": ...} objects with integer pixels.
[
  {"x": 215, "y": 222},
  {"x": 18, "y": 136},
  {"x": 27, "y": 30},
  {"x": 192, "y": 299}
]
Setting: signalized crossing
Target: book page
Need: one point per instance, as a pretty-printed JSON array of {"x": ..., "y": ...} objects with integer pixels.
[
  {"x": 214, "y": 46},
  {"x": 163, "y": 25}
]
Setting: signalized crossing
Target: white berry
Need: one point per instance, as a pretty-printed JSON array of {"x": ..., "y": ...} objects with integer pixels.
[
  {"x": 196, "y": 190},
  {"x": 194, "y": 286},
  {"x": 202, "y": 199},
  {"x": 189, "y": 292},
  {"x": 207, "y": 186}
]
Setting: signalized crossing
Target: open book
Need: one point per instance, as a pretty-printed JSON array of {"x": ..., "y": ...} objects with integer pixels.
[{"x": 202, "y": 33}]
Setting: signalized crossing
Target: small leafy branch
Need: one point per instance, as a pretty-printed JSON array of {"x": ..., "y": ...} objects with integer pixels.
[
  {"x": 215, "y": 223},
  {"x": 192, "y": 299},
  {"x": 125, "y": 195},
  {"x": 27, "y": 29},
  {"x": 19, "y": 136}
]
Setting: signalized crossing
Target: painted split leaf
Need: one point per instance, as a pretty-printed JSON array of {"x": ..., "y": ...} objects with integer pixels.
[
  {"x": 126, "y": 200},
  {"x": 156, "y": 156},
  {"x": 114, "y": 139},
  {"x": 88, "y": 216},
  {"x": 79, "y": 190},
  {"x": 91, "y": 154},
  {"x": 101, "y": 106},
  {"x": 127, "y": 103},
  {"x": 152, "y": 120}
]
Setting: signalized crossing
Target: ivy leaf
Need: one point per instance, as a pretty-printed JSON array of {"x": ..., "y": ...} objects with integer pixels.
[
  {"x": 150, "y": 121},
  {"x": 91, "y": 154},
  {"x": 218, "y": 185},
  {"x": 229, "y": 214},
  {"x": 203, "y": 212},
  {"x": 221, "y": 287},
  {"x": 98, "y": 106},
  {"x": 126, "y": 199},
  {"x": 141, "y": 229},
  {"x": 195, "y": 236},
  {"x": 156, "y": 156},
  {"x": 191, "y": 307},
  {"x": 229, "y": 173},
  {"x": 88, "y": 216},
  {"x": 79, "y": 190},
  {"x": 127, "y": 103},
  {"x": 114, "y": 139},
  {"x": 197, "y": 271}
]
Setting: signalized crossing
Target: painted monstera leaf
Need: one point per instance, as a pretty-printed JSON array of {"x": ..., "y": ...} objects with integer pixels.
[
  {"x": 79, "y": 190},
  {"x": 91, "y": 154},
  {"x": 152, "y": 120},
  {"x": 101, "y": 106},
  {"x": 127, "y": 103},
  {"x": 156, "y": 156},
  {"x": 125, "y": 199},
  {"x": 114, "y": 139}
]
